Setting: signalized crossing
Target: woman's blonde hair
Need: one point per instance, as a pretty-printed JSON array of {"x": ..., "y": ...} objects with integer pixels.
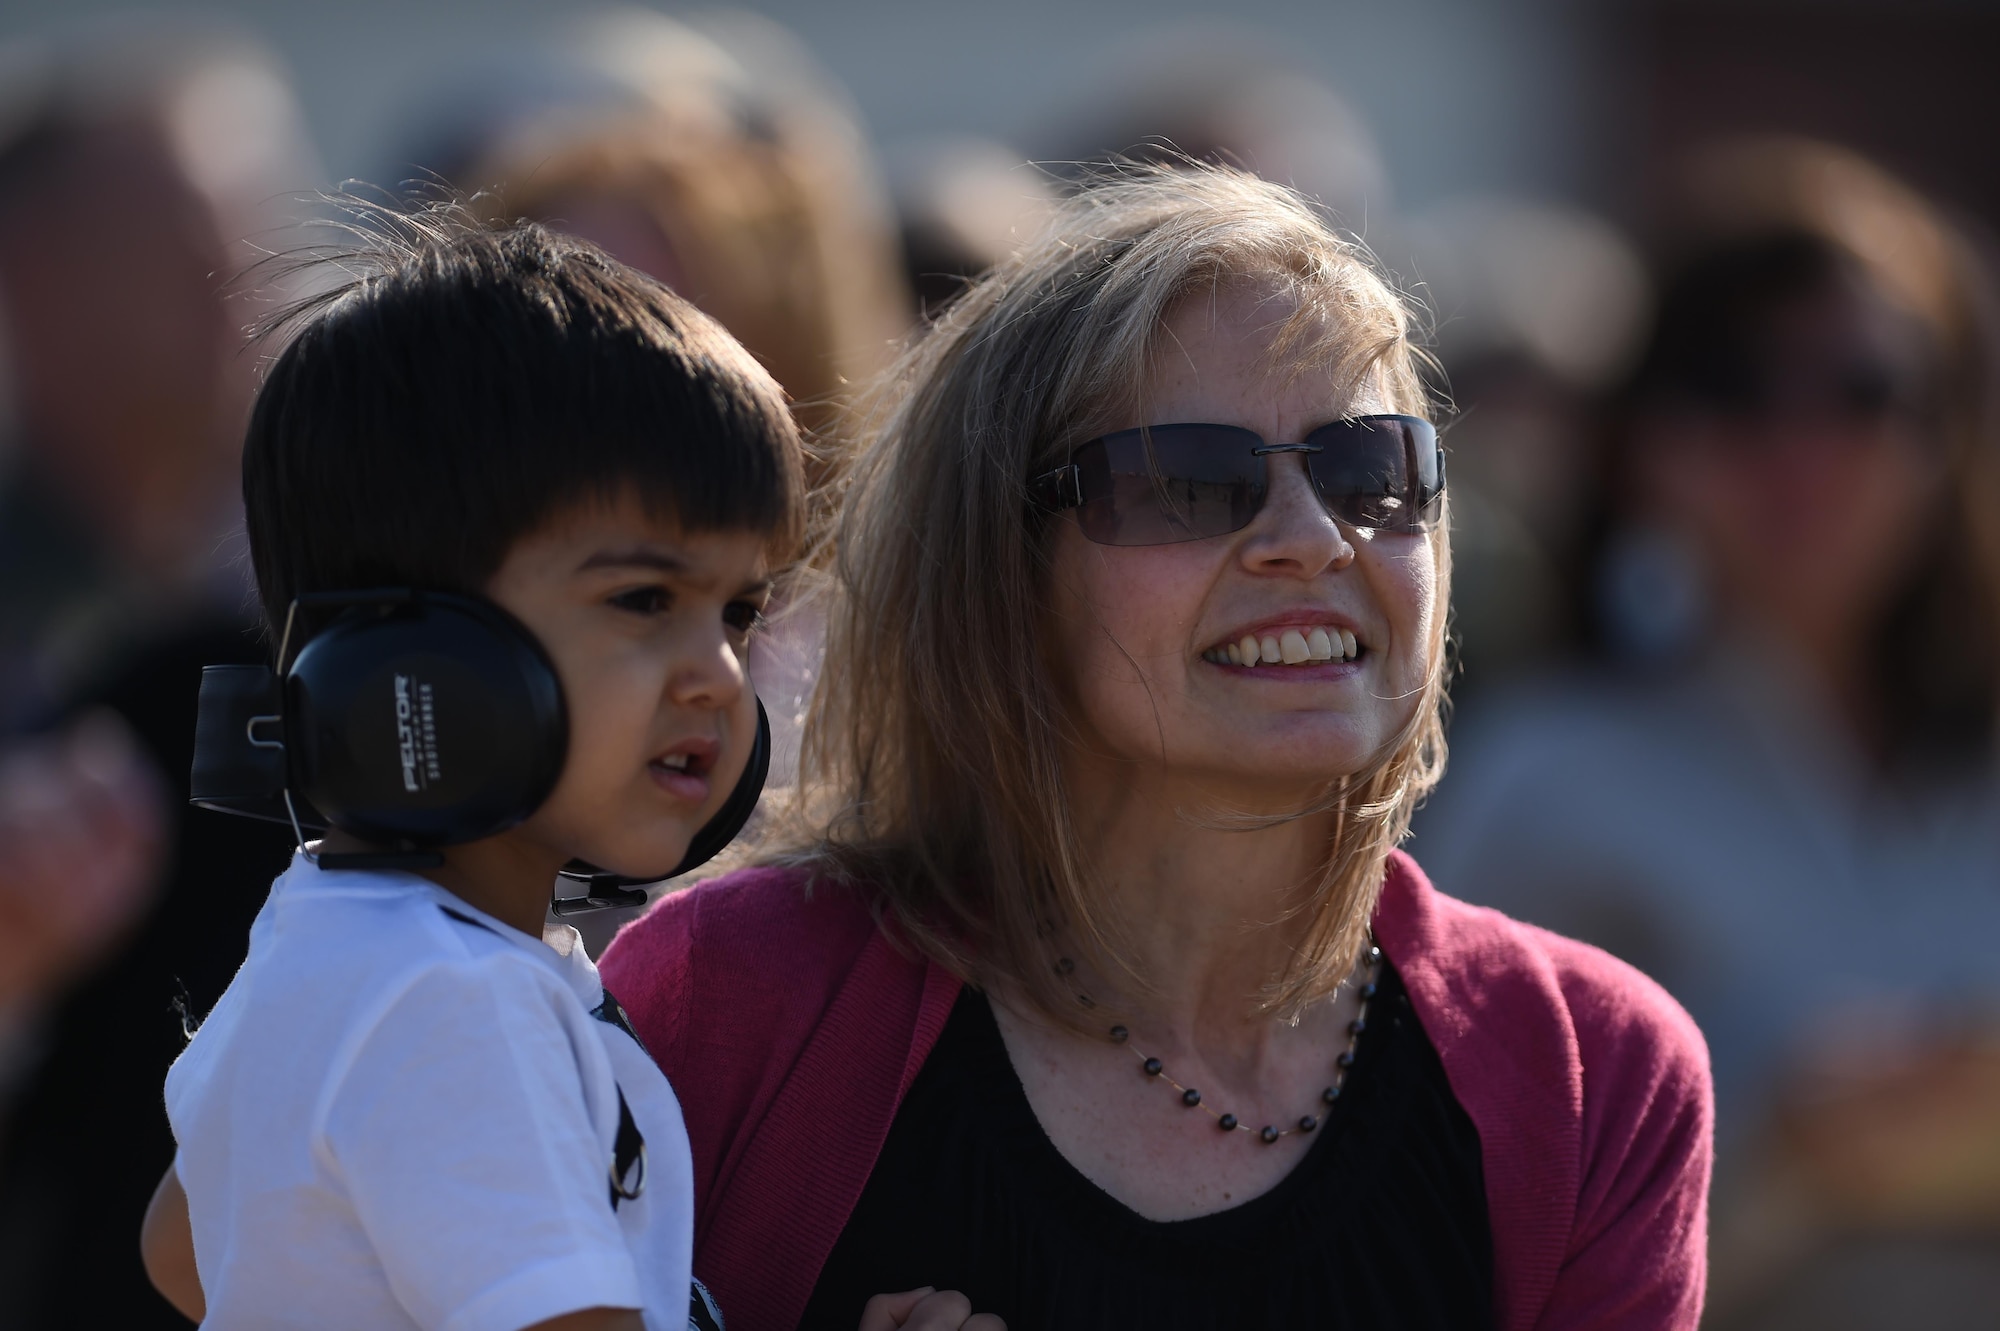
[{"x": 933, "y": 772}]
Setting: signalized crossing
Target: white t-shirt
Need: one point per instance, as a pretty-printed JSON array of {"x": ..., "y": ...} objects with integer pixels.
[{"x": 404, "y": 1113}]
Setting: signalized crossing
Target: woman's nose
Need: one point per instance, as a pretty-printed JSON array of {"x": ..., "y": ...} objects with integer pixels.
[{"x": 1294, "y": 533}]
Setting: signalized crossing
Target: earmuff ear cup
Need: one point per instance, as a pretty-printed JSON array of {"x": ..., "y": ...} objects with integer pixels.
[
  {"x": 424, "y": 722},
  {"x": 716, "y": 834}
]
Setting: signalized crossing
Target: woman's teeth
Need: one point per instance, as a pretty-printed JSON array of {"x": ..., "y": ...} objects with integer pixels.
[
  {"x": 677, "y": 761},
  {"x": 1292, "y": 647}
]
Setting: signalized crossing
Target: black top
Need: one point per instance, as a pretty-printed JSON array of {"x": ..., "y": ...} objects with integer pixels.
[{"x": 1382, "y": 1223}]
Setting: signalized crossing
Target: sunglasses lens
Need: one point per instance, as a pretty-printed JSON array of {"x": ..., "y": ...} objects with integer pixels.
[
  {"x": 1378, "y": 472},
  {"x": 1168, "y": 483}
]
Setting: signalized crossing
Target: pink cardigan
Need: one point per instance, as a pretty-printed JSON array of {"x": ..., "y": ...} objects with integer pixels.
[{"x": 791, "y": 1028}]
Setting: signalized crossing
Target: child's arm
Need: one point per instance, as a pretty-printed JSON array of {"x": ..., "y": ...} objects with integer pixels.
[
  {"x": 926, "y": 1309},
  {"x": 166, "y": 1245},
  {"x": 594, "y": 1319},
  {"x": 166, "y": 1242}
]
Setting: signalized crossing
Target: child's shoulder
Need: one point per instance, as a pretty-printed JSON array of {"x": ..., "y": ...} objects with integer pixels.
[
  {"x": 351, "y": 966},
  {"x": 375, "y": 928},
  {"x": 333, "y": 955}
]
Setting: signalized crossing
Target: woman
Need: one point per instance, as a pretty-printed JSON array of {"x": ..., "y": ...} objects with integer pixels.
[
  {"x": 1089, "y": 981},
  {"x": 1798, "y": 777}
]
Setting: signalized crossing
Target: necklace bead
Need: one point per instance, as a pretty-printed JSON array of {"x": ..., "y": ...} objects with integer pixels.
[{"x": 1190, "y": 1097}]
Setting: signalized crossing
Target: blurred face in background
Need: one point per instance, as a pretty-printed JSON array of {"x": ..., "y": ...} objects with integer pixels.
[
  {"x": 1809, "y": 471},
  {"x": 111, "y": 273}
]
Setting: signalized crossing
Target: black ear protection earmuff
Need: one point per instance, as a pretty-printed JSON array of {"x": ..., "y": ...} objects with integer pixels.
[{"x": 414, "y": 720}]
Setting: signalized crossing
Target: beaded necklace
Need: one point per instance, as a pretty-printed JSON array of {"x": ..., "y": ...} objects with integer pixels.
[{"x": 1152, "y": 1067}]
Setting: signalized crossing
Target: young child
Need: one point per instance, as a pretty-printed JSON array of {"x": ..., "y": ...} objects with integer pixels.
[{"x": 415, "y": 1107}]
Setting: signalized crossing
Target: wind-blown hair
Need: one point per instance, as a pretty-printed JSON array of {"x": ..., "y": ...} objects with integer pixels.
[
  {"x": 459, "y": 382},
  {"x": 933, "y": 770}
]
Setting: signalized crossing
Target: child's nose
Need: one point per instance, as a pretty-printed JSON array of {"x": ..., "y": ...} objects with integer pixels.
[{"x": 713, "y": 677}]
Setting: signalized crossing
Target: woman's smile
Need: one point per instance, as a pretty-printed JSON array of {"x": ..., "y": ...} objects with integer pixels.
[{"x": 1310, "y": 646}]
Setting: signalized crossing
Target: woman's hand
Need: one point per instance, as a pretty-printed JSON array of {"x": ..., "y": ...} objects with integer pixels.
[{"x": 926, "y": 1309}]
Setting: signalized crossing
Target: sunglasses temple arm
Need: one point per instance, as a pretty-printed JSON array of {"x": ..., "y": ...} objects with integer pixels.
[{"x": 1059, "y": 489}]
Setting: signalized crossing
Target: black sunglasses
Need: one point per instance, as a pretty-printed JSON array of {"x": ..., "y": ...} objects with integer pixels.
[{"x": 1160, "y": 484}]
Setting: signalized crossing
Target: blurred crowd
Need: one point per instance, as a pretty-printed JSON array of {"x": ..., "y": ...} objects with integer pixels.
[{"x": 1725, "y": 480}]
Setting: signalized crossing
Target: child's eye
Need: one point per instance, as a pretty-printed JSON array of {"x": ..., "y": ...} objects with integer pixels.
[
  {"x": 644, "y": 600},
  {"x": 743, "y": 616}
]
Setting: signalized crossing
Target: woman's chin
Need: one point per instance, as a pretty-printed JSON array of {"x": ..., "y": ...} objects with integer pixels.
[
  {"x": 1302, "y": 751},
  {"x": 1275, "y": 787}
]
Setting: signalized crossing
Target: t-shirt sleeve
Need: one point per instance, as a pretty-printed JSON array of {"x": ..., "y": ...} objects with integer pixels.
[{"x": 460, "y": 1132}]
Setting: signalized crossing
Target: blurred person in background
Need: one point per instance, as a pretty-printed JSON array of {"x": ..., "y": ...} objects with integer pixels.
[
  {"x": 1182, "y": 92},
  {"x": 724, "y": 162},
  {"x": 1538, "y": 309},
  {"x": 963, "y": 205},
  {"x": 1217, "y": 92},
  {"x": 1778, "y": 794},
  {"x": 131, "y": 163}
]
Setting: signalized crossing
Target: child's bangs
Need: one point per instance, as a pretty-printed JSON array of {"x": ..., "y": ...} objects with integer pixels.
[{"x": 719, "y": 485}]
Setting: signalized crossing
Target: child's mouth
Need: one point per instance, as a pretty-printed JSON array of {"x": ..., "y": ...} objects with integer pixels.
[{"x": 684, "y": 772}]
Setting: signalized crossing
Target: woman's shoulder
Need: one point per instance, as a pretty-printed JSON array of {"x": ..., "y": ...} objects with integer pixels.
[
  {"x": 1487, "y": 965},
  {"x": 759, "y": 910},
  {"x": 781, "y": 1011},
  {"x": 749, "y": 948},
  {"x": 1590, "y": 1088}
]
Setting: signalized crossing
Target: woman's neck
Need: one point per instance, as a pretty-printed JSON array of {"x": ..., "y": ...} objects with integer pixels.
[{"x": 1207, "y": 912}]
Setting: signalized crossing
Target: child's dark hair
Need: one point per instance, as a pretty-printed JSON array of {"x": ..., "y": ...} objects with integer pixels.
[{"x": 465, "y": 381}]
